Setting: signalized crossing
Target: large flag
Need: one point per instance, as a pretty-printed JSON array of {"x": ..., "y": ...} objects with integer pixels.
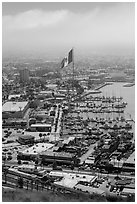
[
  {"x": 70, "y": 56},
  {"x": 67, "y": 60},
  {"x": 64, "y": 62}
]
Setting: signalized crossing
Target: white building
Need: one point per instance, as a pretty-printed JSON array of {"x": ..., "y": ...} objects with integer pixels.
[{"x": 14, "y": 109}]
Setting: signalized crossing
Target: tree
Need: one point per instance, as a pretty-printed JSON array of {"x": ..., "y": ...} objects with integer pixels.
[
  {"x": 19, "y": 162},
  {"x": 40, "y": 135}
]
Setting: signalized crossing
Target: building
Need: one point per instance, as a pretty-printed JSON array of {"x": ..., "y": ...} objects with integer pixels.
[
  {"x": 129, "y": 164},
  {"x": 40, "y": 127},
  {"x": 52, "y": 86},
  {"x": 24, "y": 75},
  {"x": 12, "y": 109},
  {"x": 76, "y": 182},
  {"x": 59, "y": 157},
  {"x": 33, "y": 152},
  {"x": 14, "y": 122},
  {"x": 26, "y": 139}
]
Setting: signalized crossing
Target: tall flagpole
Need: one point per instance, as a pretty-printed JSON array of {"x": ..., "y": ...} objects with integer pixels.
[{"x": 73, "y": 68}]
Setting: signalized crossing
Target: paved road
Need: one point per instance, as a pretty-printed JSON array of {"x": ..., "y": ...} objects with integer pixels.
[
  {"x": 89, "y": 172},
  {"x": 88, "y": 153}
]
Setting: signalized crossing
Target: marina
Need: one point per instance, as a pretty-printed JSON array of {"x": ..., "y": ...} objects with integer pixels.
[
  {"x": 68, "y": 102},
  {"x": 96, "y": 132}
]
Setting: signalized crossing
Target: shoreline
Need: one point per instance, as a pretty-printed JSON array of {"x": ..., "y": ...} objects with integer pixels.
[{"x": 105, "y": 84}]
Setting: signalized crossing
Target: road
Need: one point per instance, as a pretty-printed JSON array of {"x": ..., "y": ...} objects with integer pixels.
[
  {"x": 87, "y": 154},
  {"x": 89, "y": 172}
]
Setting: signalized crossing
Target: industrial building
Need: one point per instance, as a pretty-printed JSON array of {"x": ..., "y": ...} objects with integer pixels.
[
  {"x": 59, "y": 157},
  {"x": 33, "y": 152},
  {"x": 14, "y": 109}
]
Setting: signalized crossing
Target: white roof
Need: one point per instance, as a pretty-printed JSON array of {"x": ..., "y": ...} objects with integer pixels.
[
  {"x": 131, "y": 158},
  {"x": 75, "y": 176},
  {"x": 66, "y": 182},
  {"x": 14, "y": 106},
  {"x": 41, "y": 125},
  {"x": 51, "y": 85},
  {"x": 29, "y": 166},
  {"x": 128, "y": 190},
  {"x": 89, "y": 161},
  {"x": 46, "y": 92},
  {"x": 71, "y": 179},
  {"x": 68, "y": 140},
  {"x": 37, "y": 148},
  {"x": 90, "y": 189}
]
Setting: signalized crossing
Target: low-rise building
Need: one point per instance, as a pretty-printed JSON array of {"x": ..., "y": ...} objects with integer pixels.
[
  {"x": 129, "y": 164},
  {"x": 26, "y": 139},
  {"x": 14, "y": 109},
  {"x": 40, "y": 127},
  {"x": 33, "y": 152},
  {"x": 59, "y": 157}
]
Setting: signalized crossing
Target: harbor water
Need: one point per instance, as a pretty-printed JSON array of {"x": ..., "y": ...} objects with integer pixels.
[
  {"x": 114, "y": 90},
  {"x": 128, "y": 94}
]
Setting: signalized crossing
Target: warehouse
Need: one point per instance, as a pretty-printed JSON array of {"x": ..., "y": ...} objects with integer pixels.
[
  {"x": 33, "y": 152},
  {"x": 59, "y": 157},
  {"x": 14, "y": 109}
]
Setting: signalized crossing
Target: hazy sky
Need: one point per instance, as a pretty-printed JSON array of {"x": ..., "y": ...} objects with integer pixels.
[{"x": 56, "y": 27}]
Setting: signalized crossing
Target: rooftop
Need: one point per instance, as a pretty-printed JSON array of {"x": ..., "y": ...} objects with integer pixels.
[
  {"x": 90, "y": 189},
  {"x": 40, "y": 125},
  {"x": 131, "y": 159},
  {"x": 71, "y": 179},
  {"x": 38, "y": 148},
  {"x": 57, "y": 154},
  {"x": 14, "y": 106},
  {"x": 66, "y": 141},
  {"x": 128, "y": 191},
  {"x": 46, "y": 92}
]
